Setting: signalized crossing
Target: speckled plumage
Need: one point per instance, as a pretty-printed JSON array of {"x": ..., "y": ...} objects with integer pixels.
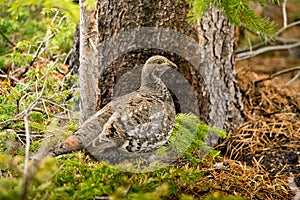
[{"x": 139, "y": 122}]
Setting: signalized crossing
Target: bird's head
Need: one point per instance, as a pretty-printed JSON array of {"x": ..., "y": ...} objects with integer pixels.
[
  {"x": 155, "y": 67},
  {"x": 161, "y": 62}
]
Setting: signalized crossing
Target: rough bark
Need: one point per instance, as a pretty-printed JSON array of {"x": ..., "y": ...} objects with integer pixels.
[
  {"x": 74, "y": 55},
  {"x": 213, "y": 81},
  {"x": 115, "y": 17},
  {"x": 221, "y": 104},
  {"x": 88, "y": 71}
]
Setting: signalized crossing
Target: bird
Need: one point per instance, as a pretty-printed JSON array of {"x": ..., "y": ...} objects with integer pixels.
[{"x": 133, "y": 124}]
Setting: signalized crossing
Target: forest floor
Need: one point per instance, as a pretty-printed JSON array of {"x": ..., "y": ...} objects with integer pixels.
[
  {"x": 262, "y": 154},
  {"x": 269, "y": 141}
]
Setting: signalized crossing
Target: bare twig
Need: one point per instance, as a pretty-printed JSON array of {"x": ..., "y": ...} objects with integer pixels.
[
  {"x": 293, "y": 79},
  {"x": 61, "y": 20},
  {"x": 37, "y": 53},
  {"x": 6, "y": 38},
  {"x": 128, "y": 189},
  {"x": 55, "y": 16},
  {"x": 26, "y": 167},
  {"x": 67, "y": 57},
  {"x": 66, "y": 118},
  {"x": 13, "y": 132},
  {"x": 277, "y": 74},
  {"x": 17, "y": 118},
  {"x": 246, "y": 55},
  {"x": 103, "y": 198},
  {"x": 287, "y": 27},
  {"x": 53, "y": 103},
  {"x": 12, "y": 78},
  {"x": 59, "y": 169},
  {"x": 27, "y": 175},
  {"x": 287, "y": 40},
  {"x": 284, "y": 15},
  {"x": 31, "y": 136}
]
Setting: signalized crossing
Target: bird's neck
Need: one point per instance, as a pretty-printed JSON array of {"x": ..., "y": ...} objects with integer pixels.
[
  {"x": 150, "y": 79},
  {"x": 155, "y": 85}
]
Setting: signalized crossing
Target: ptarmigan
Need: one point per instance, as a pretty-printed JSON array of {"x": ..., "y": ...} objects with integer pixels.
[{"x": 137, "y": 123}]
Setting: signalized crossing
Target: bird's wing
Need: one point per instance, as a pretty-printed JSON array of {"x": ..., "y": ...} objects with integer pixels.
[
  {"x": 138, "y": 122},
  {"x": 92, "y": 127}
]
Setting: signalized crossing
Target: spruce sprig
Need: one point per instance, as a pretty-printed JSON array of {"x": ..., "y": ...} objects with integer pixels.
[{"x": 238, "y": 12}]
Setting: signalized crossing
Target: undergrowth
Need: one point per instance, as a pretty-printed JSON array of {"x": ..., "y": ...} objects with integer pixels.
[
  {"x": 35, "y": 44},
  {"x": 79, "y": 176},
  {"x": 34, "y": 50}
]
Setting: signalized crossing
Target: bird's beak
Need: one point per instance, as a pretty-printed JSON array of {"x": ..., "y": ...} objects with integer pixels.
[{"x": 173, "y": 65}]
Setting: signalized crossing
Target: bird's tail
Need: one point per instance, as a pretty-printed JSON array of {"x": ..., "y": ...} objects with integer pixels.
[{"x": 71, "y": 144}]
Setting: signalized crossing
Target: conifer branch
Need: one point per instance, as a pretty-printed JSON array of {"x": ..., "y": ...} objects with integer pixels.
[
  {"x": 238, "y": 12},
  {"x": 270, "y": 38}
]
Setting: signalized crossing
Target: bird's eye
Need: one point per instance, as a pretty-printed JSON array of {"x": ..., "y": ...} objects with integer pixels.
[{"x": 159, "y": 62}]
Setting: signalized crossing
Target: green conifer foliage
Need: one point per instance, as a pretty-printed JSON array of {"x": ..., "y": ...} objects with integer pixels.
[{"x": 238, "y": 12}]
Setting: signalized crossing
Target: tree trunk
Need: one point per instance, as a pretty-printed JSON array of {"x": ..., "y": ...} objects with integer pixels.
[
  {"x": 88, "y": 70},
  {"x": 221, "y": 99},
  {"x": 210, "y": 74}
]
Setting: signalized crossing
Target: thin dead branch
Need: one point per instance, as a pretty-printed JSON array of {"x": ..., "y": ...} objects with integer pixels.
[
  {"x": 246, "y": 55},
  {"x": 6, "y": 38},
  {"x": 38, "y": 51},
  {"x": 277, "y": 74},
  {"x": 23, "y": 194},
  {"x": 12, "y": 78},
  {"x": 292, "y": 80},
  {"x": 28, "y": 175},
  {"x": 284, "y": 15}
]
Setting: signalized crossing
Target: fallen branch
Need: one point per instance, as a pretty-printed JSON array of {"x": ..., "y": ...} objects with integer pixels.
[
  {"x": 277, "y": 74},
  {"x": 246, "y": 55}
]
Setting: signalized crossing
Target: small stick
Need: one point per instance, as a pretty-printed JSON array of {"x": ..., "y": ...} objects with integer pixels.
[
  {"x": 246, "y": 55},
  {"x": 278, "y": 74},
  {"x": 6, "y": 38},
  {"x": 26, "y": 167},
  {"x": 12, "y": 78},
  {"x": 293, "y": 79},
  {"x": 284, "y": 15}
]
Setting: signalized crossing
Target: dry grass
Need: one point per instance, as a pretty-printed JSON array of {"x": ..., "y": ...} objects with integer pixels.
[{"x": 269, "y": 141}]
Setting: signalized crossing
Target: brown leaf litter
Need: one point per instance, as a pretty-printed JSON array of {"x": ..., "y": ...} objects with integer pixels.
[{"x": 269, "y": 141}]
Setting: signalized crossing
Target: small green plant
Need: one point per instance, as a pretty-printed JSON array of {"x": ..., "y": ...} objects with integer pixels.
[{"x": 190, "y": 133}]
